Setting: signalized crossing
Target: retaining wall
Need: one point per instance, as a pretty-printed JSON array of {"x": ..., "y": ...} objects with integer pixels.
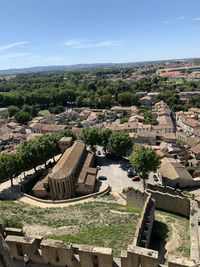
[{"x": 104, "y": 191}]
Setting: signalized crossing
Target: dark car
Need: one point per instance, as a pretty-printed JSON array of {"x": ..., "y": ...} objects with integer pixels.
[
  {"x": 136, "y": 178},
  {"x": 102, "y": 178}
]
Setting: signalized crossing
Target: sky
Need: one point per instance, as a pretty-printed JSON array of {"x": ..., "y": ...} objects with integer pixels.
[{"x": 67, "y": 32}]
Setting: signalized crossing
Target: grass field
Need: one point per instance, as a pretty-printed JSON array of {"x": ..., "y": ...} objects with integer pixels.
[
  {"x": 96, "y": 223},
  {"x": 171, "y": 234}
]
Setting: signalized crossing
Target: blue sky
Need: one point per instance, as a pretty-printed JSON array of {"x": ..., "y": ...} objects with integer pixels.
[{"x": 55, "y": 32}]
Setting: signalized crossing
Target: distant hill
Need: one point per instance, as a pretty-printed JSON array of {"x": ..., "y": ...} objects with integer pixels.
[{"x": 81, "y": 66}]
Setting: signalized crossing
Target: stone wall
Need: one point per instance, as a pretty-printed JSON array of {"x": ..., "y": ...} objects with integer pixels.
[
  {"x": 171, "y": 203},
  {"x": 106, "y": 189},
  {"x": 165, "y": 189},
  {"x": 142, "y": 200},
  {"x": 58, "y": 253},
  {"x": 135, "y": 197}
]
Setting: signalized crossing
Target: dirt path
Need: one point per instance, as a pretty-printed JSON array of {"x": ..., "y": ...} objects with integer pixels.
[
  {"x": 174, "y": 241},
  {"x": 33, "y": 202}
]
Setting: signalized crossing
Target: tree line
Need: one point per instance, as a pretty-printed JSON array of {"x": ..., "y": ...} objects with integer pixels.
[{"x": 30, "y": 154}]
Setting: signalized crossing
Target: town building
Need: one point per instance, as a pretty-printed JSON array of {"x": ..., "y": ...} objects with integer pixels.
[
  {"x": 174, "y": 174},
  {"x": 73, "y": 174},
  {"x": 195, "y": 151},
  {"x": 46, "y": 128}
]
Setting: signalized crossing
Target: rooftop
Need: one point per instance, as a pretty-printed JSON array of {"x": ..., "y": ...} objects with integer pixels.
[{"x": 174, "y": 170}]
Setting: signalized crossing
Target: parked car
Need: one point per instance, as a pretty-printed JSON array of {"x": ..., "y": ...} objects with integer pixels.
[
  {"x": 132, "y": 172},
  {"x": 136, "y": 178},
  {"x": 155, "y": 177},
  {"x": 102, "y": 178}
]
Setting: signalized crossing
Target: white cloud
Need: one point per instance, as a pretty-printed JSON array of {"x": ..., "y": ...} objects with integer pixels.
[
  {"x": 174, "y": 20},
  {"x": 167, "y": 21},
  {"x": 12, "y": 45},
  {"x": 80, "y": 44},
  {"x": 196, "y": 19},
  {"x": 181, "y": 18}
]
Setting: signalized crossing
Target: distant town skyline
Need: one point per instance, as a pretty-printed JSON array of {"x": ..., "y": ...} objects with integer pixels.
[{"x": 40, "y": 33}]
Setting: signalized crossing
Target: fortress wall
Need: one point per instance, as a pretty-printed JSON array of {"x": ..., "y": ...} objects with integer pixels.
[
  {"x": 95, "y": 256},
  {"x": 61, "y": 254},
  {"x": 135, "y": 198},
  {"x": 143, "y": 200},
  {"x": 165, "y": 189},
  {"x": 141, "y": 257},
  {"x": 57, "y": 253},
  {"x": 171, "y": 203}
]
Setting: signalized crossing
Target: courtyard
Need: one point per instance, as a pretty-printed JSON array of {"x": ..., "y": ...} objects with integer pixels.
[
  {"x": 116, "y": 173},
  {"x": 100, "y": 223}
]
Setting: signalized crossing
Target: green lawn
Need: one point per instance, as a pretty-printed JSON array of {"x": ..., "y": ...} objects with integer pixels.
[{"x": 94, "y": 223}]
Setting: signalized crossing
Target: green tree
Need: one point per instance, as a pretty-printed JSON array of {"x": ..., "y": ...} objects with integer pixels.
[
  {"x": 12, "y": 110},
  {"x": 145, "y": 160},
  {"x": 91, "y": 136},
  {"x": 120, "y": 142},
  {"x": 104, "y": 135},
  {"x": 22, "y": 117}
]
